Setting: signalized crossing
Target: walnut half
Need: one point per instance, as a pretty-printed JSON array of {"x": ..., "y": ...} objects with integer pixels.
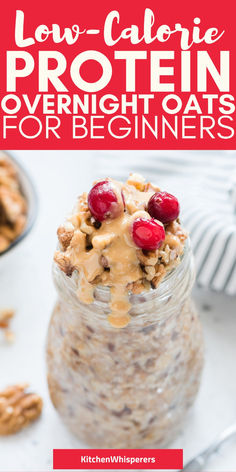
[{"x": 18, "y": 409}]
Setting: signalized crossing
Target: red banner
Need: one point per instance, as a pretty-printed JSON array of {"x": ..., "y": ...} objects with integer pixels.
[
  {"x": 118, "y": 459},
  {"x": 121, "y": 75}
]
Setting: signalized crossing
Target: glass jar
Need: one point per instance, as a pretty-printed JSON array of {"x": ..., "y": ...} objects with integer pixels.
[{"x": 129, "y": 387}]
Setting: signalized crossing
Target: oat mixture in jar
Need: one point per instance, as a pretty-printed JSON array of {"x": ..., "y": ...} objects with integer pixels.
[{"x": 125, "y": 346}]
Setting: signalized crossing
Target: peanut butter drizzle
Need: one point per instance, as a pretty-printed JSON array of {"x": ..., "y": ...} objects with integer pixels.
[
  {"x": 107, "y": 255},
  {"x": 112, "y": 241}
]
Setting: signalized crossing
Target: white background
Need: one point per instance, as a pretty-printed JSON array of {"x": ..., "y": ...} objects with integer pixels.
[{"x": 26, "y": 285}]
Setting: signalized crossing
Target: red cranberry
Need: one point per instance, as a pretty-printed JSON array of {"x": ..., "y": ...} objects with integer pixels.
[
  {"x": 147, "y": 234},
  {"x": 163, "y": 207},
  {"x": 103, "y": 201}
]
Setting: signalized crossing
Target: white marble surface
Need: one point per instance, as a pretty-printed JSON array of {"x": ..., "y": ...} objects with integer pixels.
[{"x": 26, "y": 285}]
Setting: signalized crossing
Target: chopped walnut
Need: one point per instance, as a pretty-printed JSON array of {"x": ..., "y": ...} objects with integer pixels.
[
  {"x": 175, "y": 228},
  {"x": 18, "y": 409},
  {"x": 172, "y": 241},
  {"x": 65, "y": 234},
  {"x": 160, "y": 274},
  {"x": 150, "y": 258},
  {"x": 86, "y": 227},
  {"x": 83, "y": 203},
  {"x": 137, "y": 181},
  {"x": 137, "y": 287},
  {"x": 165, "y": 254},
  {"x": 63, "y": 262},
  {"x": 150, "y": 271}
]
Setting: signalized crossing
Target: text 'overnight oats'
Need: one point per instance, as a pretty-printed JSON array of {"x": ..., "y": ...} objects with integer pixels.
[
  {"x": 124, "y": 262},
  {"x": 124, "y": 236}
]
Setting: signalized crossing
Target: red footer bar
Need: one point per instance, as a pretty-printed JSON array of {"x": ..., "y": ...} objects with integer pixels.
[{"x": 118, "y": 459}]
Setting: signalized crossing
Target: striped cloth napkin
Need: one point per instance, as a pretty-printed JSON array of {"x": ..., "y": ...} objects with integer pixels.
[{"x": 205, "y": 183}]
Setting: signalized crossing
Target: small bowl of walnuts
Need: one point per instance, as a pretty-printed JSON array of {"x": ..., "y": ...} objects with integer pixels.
[{"x": 17, "y": 203}]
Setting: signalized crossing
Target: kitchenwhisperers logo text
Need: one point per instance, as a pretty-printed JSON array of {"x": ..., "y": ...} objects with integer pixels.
[{"x": 170, "y": 85}]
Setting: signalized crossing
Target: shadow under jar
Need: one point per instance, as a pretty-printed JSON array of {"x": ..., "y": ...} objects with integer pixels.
[{"x": 129, "y": 387}]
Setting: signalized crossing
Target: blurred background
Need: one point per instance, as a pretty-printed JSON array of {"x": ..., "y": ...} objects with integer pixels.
[{"x": 205, "y": 183}]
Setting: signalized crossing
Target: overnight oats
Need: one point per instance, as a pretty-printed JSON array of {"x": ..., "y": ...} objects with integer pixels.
[{"x": 125, "y": 346}]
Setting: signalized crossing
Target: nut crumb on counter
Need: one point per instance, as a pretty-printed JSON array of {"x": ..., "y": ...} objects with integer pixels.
[{"x": 6, "y": 316}]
